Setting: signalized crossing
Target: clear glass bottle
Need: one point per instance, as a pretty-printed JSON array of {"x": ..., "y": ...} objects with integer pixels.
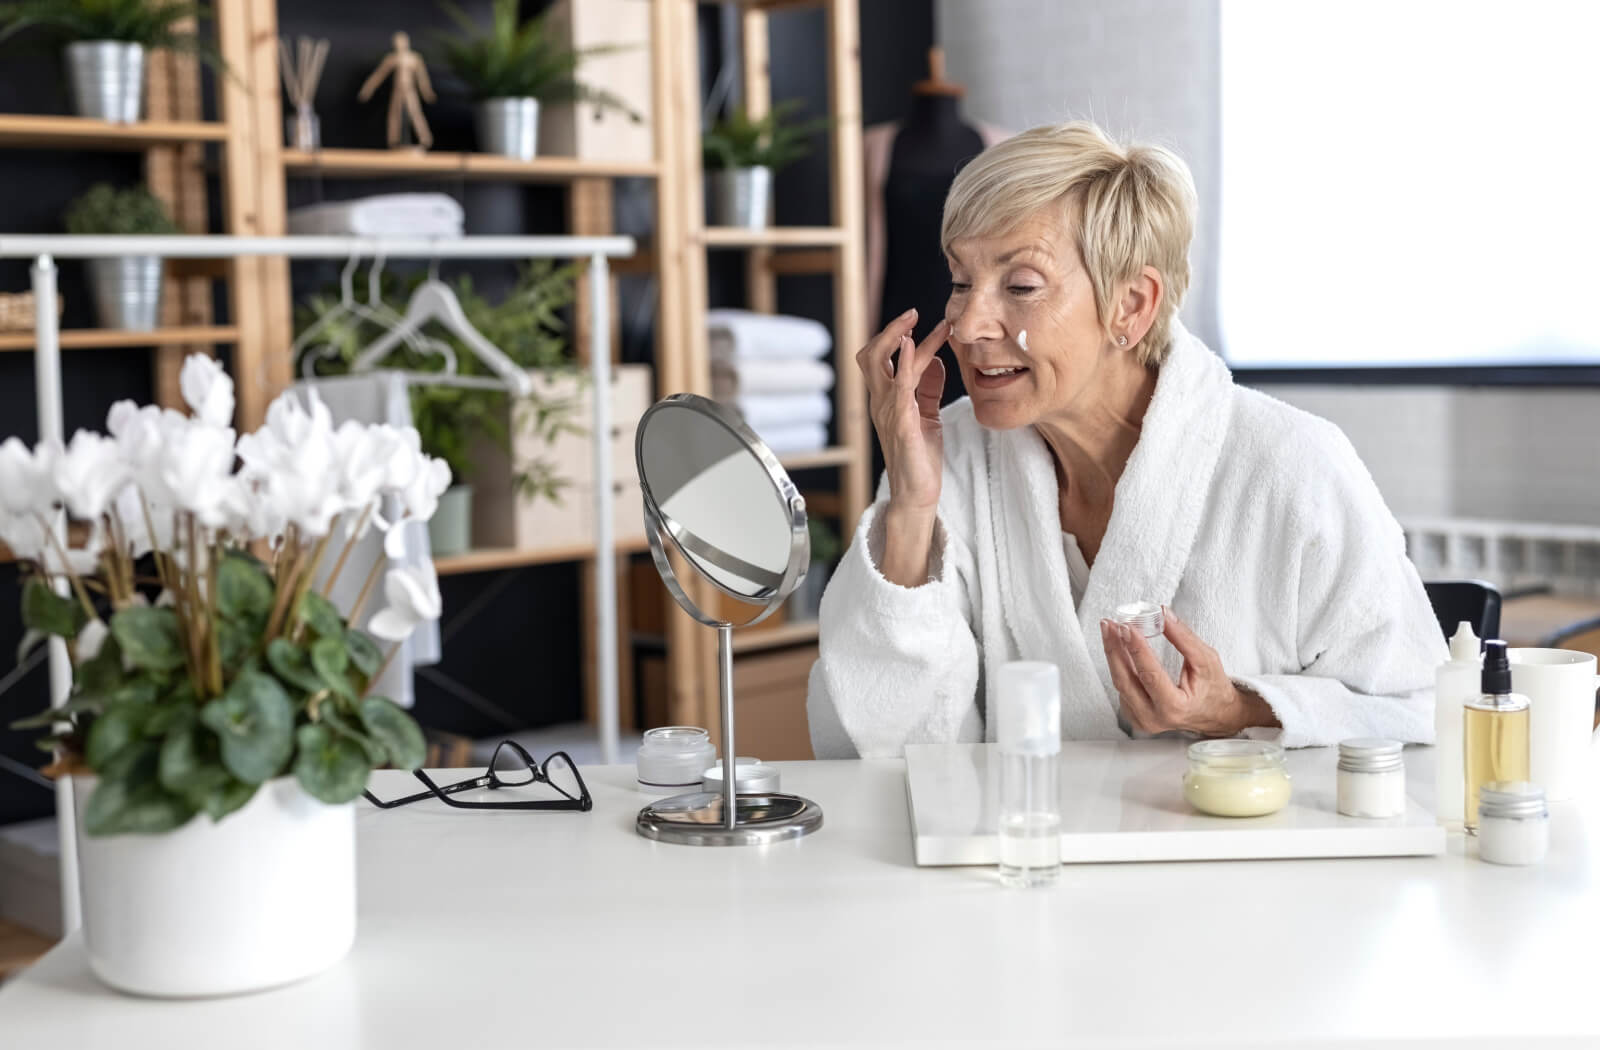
[
  {"x": 1237, "y": 778},
  {"x": 673, "y": 759},
  {"x": 1029, "y": 733},
  {"x": 1495, "y": 731}
]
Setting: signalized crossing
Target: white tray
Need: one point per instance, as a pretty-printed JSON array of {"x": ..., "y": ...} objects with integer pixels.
[{"x": 1123, "y": 801}]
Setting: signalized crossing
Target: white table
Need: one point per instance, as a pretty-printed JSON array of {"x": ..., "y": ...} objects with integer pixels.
[{"x": 562, "y": 929}]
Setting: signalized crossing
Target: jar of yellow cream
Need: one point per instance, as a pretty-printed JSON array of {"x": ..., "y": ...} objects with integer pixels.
[{"x": 1236, "y": 778}]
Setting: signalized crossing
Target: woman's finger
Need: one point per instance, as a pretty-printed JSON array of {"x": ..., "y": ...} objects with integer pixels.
[
  {"x": 930, "y": 389},
  {"x": 874, "y": 357},
  {"x": 1165, "y": 696},
  {"x": 1190, "y": 646},
  {"x": 1136, "y": 702}
]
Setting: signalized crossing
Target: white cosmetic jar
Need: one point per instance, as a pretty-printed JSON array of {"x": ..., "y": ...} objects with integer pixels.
[
  {"x": 1513, "y": 823},
  {"x": 751, "y": 776},
  {"x": 1371, "y": 779},
  {"x": 672, "y": 759}
]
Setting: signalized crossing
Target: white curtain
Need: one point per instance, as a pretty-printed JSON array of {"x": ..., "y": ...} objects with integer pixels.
[{"x": 1409, "y": 182}]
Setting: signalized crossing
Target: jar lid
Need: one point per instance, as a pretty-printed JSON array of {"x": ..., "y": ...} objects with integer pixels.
[
  {"x": 750, "y": 776},
  {"x": 686, "y": 739},
  {"x": 1511, "y": 798},
  {"x": 1144, "y": 616},
  {"x": 1235, "y": 756},
  {"x": 1370, "y": 755}
]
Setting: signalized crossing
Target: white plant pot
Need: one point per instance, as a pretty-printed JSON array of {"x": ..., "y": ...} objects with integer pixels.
[
  {"x": 265, "y": 897},
  {"x": 127, "y": 291},
  {"x": 508, "y": 127},
  {"x": 107, "y": 78},
  {"x": 741, "y": 197}
]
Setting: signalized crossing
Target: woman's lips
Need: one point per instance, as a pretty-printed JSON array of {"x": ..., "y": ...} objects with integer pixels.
[{"x": 1013, "y": 374}]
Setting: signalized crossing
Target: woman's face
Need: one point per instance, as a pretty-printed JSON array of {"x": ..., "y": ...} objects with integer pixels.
[{"x": 1031, "y": 281}]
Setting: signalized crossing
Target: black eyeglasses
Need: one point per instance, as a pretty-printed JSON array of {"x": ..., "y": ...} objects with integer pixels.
[{"x": 511, "y": 767}]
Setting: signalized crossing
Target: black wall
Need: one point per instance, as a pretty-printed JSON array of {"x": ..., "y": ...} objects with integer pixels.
[{"x": 518, "y": 655}]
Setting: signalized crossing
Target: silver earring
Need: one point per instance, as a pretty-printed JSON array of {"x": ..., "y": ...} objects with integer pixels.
[{"x": 1122, "y": 340}]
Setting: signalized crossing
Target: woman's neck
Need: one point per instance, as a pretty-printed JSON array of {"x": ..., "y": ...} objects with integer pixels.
[{"x": 1093, "y": 438}]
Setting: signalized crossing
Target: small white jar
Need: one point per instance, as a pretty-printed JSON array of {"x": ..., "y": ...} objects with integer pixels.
[
  {"x": 751, "y": 776},
  {"x": 1513, "y": 823},
  {"x": 672, "y": 759},
  {"x": 1372, "y": 778}
]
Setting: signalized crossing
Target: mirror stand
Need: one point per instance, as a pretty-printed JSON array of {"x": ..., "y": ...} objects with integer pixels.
[{"x": 707, "y": 818}]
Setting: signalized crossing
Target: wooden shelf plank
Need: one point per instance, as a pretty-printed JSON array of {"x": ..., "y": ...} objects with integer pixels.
[
  {"x": 352, "y": 163},
  {"x": 100, "y": 338},
  {"x": 828, "y": 457},
  {"x": 32, "y": 130},
  {"x": 772, "y": 237},
  {"x": 20, "y": 948},
  {"x": 798, "y": 633},
  {"x": 493, "y": 558}
]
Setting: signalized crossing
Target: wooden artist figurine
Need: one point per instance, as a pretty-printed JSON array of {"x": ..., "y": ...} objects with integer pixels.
[{"x": 410, "y": 82}]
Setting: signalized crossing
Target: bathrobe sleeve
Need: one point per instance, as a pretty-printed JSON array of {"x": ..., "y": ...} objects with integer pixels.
[
  {"x": 1367, "y": 639},
  {"x": 897, "y": 665}
]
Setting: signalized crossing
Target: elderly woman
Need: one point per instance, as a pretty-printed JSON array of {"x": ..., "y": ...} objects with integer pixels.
[{"x": 1105, "y": 456}]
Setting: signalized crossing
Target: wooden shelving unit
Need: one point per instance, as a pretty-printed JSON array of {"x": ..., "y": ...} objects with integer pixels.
[
  {"x": 98, "y": 338},
  {"x": 364, "y": 163},
  {"x": 837, "y": 456},
  {"x": 759, "y": 639},
  {"x": 30, "y": 131},
  {"x": 492, "y": 559},
  {"x": 774, "y": 237}
]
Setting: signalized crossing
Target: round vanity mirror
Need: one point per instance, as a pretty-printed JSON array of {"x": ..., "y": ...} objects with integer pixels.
[{"x": 715, "y": 495}]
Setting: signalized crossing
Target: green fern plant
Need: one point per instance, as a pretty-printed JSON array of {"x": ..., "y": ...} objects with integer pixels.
[
  {"x": 521, "y": 59},
  {"x": 150, "y": 23},
  {"x": 104, "y": 209},
  {"x": 773, "y": 141}
]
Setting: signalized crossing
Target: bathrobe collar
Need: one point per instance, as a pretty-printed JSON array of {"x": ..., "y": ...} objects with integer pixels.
[{"x": 1158, "y": 506}]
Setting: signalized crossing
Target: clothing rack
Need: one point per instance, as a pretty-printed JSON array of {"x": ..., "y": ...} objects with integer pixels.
[{"x": 44, "y": 250}]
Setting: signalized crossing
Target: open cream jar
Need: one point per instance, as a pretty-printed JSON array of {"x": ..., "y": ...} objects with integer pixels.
[{"x": 1236, "y": 778}]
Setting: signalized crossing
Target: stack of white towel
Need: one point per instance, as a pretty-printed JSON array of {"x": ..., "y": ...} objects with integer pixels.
[
  {"x": 388, "y": 214},
  {"x": 771, "y": 369}
]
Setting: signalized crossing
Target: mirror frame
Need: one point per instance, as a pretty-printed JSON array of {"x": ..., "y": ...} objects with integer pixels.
[{"x": 658, "y": 524}]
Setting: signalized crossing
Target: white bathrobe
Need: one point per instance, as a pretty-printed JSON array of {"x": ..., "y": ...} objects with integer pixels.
[{"x": 1255, "y": 522}]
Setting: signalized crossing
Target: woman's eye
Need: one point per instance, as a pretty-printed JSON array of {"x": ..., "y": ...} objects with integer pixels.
[
  {"x": 959, "y": 286},
  {"x": 1023, "y": 289}
]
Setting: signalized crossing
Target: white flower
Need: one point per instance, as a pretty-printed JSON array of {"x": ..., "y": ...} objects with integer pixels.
[
  {"x": 27, "y": 477},
  {"x": 249, "y": 510},
  {"x": 196, "y": 472},
  {"x": 24, "y": 534},
  {"x": 412, "y": 596},
  {"x": 145, "y": 436},
  {"x": 421, "y": 497},
  {"x": 207, "y": 390},
  {"x": 29, "y": 539},
  {"x": 130, "y": 511},
  {"x": 362, "y": 453},
  {"x": 90, "y": 473},
  {"x": 90, "y": 639}
]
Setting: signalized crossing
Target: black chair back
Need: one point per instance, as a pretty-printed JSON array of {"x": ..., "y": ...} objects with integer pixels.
[{"x": 1474, "y": 601}]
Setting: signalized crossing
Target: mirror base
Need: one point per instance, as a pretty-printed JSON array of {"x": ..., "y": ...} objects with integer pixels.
[{"x": 696, "y": 819}]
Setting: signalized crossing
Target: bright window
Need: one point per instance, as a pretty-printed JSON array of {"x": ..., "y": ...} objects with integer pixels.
[{"x": 1410, "y": 182}]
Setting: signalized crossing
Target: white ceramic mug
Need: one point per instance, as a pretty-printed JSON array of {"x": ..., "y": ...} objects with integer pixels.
[{"x": 1560, "y": 686}]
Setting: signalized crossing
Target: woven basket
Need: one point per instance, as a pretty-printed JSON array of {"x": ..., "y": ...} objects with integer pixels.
[{"x": 16, "y": 311}]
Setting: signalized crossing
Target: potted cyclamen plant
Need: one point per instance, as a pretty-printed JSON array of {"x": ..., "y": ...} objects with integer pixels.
[{"x": 220, "y": 722}]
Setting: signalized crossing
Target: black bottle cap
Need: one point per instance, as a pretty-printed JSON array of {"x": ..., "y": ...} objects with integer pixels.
[{"x": 1496, "y": 668}]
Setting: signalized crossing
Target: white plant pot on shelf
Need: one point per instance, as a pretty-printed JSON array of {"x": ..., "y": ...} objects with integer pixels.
[
  {"x": 262, "y": 898},
  {"x": 508, "y": 127},
  {"x": 741, "y": 197},
  {"x": 107, "y": 78},
  {"x": 450, "y": 528},
  {"x": 127, "y": 291}
]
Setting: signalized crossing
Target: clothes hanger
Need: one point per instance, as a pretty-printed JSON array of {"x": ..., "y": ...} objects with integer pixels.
[
  {"x": 374, "y": 310},
  {"x": 436, "y": 301}
]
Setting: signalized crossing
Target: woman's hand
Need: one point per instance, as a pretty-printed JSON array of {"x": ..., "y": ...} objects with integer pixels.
[
  {"x": 904, "y": 401},
  {"x": 1203, "y": 700}
]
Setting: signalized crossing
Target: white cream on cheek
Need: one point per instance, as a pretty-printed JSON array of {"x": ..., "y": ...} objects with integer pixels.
[{"x": 1022, "y": 340}]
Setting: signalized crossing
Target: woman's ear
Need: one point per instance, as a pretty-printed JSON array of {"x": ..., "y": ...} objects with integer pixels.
[{"x": 1136, "y": 310}]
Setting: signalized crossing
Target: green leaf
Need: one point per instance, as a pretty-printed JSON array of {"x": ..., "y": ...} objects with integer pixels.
[
  {"x": 293, "y": 665},
  {"x": 235, "y": 641},
  {"x": 45, "y": 610},
  {"x": 130, "y": 799},
  {"x": 113, "y": 732},
  {"x": 191, "y": 765},
  {"x": 332, "y": 661},
  {"x": 254, "y": 720},
  {"x": 330, "y": 767},
  {"x": 103, "y": 673},
  {"x": 244, "y": 590},
  {"x": 227, "y": 797},
  {"x": 149, "y": 637},
  {"x": 396, "y": 730},
  {"x": 75, "y": 705},
  {"x": 364, "y": 652},
  {"x": 30, "y": 640},
  {"x": 329, "y": 715},
  {"x": 319, "y": 614}
]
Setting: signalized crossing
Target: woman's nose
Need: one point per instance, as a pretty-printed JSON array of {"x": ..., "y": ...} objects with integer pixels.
[{"x": 974, "y": 320}]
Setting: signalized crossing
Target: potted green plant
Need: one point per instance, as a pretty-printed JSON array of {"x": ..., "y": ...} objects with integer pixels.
[
  {"x": 741, "y": 155},
  {"x": 126, "y": 288},
  {"x": 825, "y": 551},
  {"x": 221, "y": 719},
  {"x": 105, "y": 42},
  {"x": 453, "y": 421},
  {"x": 511, "y": 67}
]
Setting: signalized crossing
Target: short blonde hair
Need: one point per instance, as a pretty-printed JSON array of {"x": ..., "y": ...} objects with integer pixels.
[{"x": 1134, "y": 206}]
